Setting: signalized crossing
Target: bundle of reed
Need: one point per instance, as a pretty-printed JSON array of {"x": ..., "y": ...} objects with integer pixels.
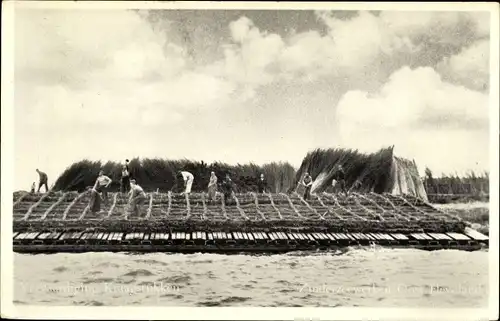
[{"x": 162, "y": 174}]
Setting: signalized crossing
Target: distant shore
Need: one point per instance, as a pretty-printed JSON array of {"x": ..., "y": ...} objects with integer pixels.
[{"x": 457, "y": 198}]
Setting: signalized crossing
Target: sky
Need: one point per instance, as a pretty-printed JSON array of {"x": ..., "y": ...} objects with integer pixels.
[{"x": 248, "y": 86}]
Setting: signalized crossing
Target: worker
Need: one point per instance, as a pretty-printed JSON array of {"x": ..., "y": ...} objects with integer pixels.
[
  {"x": 127, "y": 166},
  {"x": 188, "y": 181},
  {"x": 43, "y": 181},
  {"x": 137, "y": 196},
  {"x": 227, "y": 189},
  {"x": 125, "y": 181},
  {"x": 307, "y": 182},
  {"x": 212, "y": 187},
  {"x": 101, "y": 185},
  {"x": 95, "y": 200},
  {"x": 339, "y": 179},
  {"x": 262, "y": 184},
  {"x": 33, "y": 188}
]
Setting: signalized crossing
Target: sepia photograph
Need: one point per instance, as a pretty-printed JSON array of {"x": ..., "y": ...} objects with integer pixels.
[{"x": 216, "y": 155}]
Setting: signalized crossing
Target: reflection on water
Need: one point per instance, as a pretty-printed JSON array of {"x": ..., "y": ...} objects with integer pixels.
[{"x": 359, "y": 277}]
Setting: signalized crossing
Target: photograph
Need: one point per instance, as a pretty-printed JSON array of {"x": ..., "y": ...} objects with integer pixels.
[{"x": 213, "y": 156}]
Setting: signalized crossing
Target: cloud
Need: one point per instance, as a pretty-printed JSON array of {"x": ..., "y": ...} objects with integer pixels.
[
  {"x": 350, "y": 47},
  {"x": 76, "y": 65},
  {"x": 439, "y": 124},
  {"x": 470, "y": 66}
]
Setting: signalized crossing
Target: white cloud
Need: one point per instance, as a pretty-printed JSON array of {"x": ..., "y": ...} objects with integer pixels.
[
  {"x": 75, "y": 65},
  {"x": 350, "y": 46},
  {"x": 440, "y": 125},
  {"x": 470, "y": 66}
]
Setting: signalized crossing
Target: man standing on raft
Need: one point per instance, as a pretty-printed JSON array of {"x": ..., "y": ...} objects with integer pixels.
[
  {"x": 307, "y": 182},
  {"x": 188, "y": 181},
  {"x": 137, "y": 196},
  {"x": 339, "y": 178},
  {"x": 212, "y": 187},
  {"x": 125, "y": 182},
  {"x": 43, "y": 181},
  {"x": 101, "y": 185},
  {"x": 262, "y": 184}
]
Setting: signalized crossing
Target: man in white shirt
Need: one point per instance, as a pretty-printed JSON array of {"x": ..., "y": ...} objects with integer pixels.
[
  {"x": 188, "y": 181},
  {"x": 137, "y": 196},
  {"x": 101, "y": 185}
]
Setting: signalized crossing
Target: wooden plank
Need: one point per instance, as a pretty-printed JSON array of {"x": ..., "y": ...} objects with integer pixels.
[
  {"x": 458, "y": 236},
  {"x": 324, "y": 236},
  {"x": 43, "y": 236},
  {"x": 417, "y": 236},
  {"x": 309, "y": 237},
  {"x": 387, "y": 237},
  {"x": 441, "y": 236},
  {"x": 32, "y": 235},
  {"x": 367, "y": 236},
  {"x": 330, "y": 236},
  {"x": 129, "y": 236},
  {"x": 119, "y": 236},
  {"x": 21, "y": 236}
]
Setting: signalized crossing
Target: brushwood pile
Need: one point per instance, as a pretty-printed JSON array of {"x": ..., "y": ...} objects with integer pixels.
[{"x": 380, "y": 172}]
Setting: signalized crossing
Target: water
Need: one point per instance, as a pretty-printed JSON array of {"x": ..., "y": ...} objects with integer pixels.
[{"x": 358, "y": 277}]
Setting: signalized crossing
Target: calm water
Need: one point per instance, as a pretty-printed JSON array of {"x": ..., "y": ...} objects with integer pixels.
[{"x": 359, "y": 277}]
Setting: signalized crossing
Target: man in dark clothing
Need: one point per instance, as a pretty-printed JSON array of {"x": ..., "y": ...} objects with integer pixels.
[
  {"x": 227, "y": 189},
  {"x": 43, "y": 181},
  {"x": 125, "y": 181},
  {"x": 307, "y": 182},
  {"x": 339, "y": 179},
  {"x": 262, "y": 184}
]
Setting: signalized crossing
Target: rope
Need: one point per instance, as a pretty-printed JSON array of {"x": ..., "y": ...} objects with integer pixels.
[
  {"x": 332, "y": 196},
  {"x": 256, "y": 199},
  {"x": 274, "y": 206},
  {"x": 53, "y": 206},
  {"x": 309, "y": 206},
  {"x": 397, "y": 211},
  {"x": 32, "y": 207},
  {"x": 330, "y": 209},
  {"x": 292, "y": 206},
  {"x": 242, "y": 213},
  {"x": 66, "y": 211},
  {"x": 111, "y": 209}
]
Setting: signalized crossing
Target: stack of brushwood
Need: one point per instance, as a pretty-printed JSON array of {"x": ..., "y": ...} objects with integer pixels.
[
  {"x": 363, "y": 172},
  {"x": 162, "y": 174}
]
